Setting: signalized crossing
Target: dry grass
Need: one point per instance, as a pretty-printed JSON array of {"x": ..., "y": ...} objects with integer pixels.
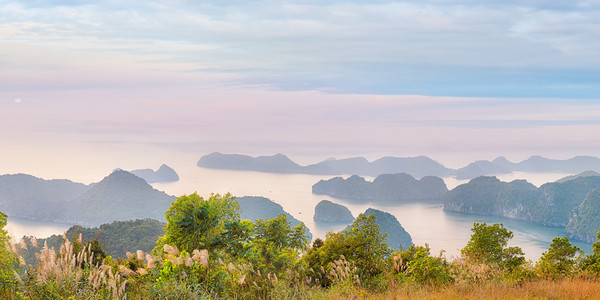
[
  {"x": 65, "y": 269},
  {"x": 543, "y": 289}
]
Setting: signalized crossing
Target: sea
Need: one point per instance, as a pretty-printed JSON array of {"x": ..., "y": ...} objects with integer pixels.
[{"x": 444, "y": 232}]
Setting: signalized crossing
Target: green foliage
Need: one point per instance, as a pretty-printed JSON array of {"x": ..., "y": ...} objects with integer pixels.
[
  {"x": 559, "y": 260},
  {"x": 416, "y": 263},
  {"x": 396, "y": 237},
  {"x": 361, "y": 244},
  {"x": 175, "y": 290},
  {"x": 488, "y": 244},
  {"x": 366, "y": 245},
  {"x": 275, "y": 245},
  {"x": 120, "y": 237},
  {"x": 93, "y": 248},
  {"x": 195, "y": 223},
  {"x": 115, "y": 239},
  {"x": 591, "y": 263},
  {"x": 9, "y": 281},
  {"x": 239, "y": 249}
]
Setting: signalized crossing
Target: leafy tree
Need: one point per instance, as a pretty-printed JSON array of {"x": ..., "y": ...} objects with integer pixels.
[
  {"x": 195, "y": 223},
  {"x": 559, "y": 259},
  {"x": 361, "y": 244},
  {"x": 8, "y": 263},
  {"x": 275, "y": 245},
  {"x": 591, "y": 263},
  {"x": 417, "y": 263},
  {"x": 488, "y": 244},
  {"x": 367, "y": 245}
]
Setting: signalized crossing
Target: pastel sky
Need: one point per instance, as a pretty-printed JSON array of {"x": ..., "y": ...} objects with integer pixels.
[{"x": 446, "y": 78}]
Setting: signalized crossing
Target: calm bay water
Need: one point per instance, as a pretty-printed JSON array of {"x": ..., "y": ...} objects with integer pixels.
[
  {"x": 18, "y": 227},
  {"x": 426, "y": 223}
]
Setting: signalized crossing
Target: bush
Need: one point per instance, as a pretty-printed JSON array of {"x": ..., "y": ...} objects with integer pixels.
[
  {"x": 559, "y": 260},
  {"x": 488, "y": 244},
  {"x": 417, "y": 264},
  {"x": 591, "y": 263},
  {"x": 362, "y": 244},
  {"x": 10, "y": 281}
]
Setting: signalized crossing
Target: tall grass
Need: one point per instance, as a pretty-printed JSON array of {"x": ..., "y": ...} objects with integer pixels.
[
  {"x": 174, "y": 274},
  {"x": 66, "y": 274}
]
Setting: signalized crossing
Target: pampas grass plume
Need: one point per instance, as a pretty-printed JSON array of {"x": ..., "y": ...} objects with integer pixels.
[{"x": 140, "y": 255}]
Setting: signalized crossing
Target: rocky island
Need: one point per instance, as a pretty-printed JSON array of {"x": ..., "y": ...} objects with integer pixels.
[
  {"x": 163, "y": 174},
  {"x": 552, "y": 204},
  {"x": 329, "y": 212},
  {"x": 386, "y": 189}
]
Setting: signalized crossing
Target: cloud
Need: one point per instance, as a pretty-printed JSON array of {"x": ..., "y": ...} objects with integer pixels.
[{"x": 449, "y": 48}]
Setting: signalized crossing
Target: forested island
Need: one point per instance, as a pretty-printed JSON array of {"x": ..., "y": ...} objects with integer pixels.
[
  {"x": 329, "y": 212},
  {"x": 561, "y": 204}
]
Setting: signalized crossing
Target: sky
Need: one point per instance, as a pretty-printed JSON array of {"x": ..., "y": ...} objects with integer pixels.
[{"x": 116, "y": 83}]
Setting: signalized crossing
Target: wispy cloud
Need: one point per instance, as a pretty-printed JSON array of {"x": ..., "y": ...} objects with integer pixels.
[
  {"x": 347, "y": 77},
  {"x": 456, "y": 48}
]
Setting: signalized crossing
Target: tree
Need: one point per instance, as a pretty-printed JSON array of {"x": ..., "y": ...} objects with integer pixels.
[
  {"x": 8, "y": 263},
  {"x": 559, "y": 259},
  {"x": 361, "y": 244},
  {"x": 276, "y": 245},
  {"x": 591, "y": 263},
  {"x": 488, "y": 244},
  {"x": 213, "y": 224},
  {"x": 417, "y": 263},
  {"x": 367, "y": 245}
]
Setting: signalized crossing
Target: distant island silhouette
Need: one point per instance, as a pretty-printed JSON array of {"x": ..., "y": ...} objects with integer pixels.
[{"x": 419, "y": 166}]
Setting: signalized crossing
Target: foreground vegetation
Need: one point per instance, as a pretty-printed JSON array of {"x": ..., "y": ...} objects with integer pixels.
[{"x": 208, "y": 252}]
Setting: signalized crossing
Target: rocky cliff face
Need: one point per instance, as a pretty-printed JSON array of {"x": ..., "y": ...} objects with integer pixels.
[
  {"x": 585, "y": 219},
  {"x": 552, "y": 204},
  {"x": 489, "y": 196}
]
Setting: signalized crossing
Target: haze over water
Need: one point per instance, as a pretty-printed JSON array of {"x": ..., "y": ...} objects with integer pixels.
[{"x": 426, "y": 223}]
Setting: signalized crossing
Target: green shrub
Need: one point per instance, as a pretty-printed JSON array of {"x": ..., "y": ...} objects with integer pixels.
[
  {"x": 362, "y": 244},
  {"x": 559, "y": 260},
  {"x": 417, "y": 264},
  {"x": 488, "y": 244}
]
